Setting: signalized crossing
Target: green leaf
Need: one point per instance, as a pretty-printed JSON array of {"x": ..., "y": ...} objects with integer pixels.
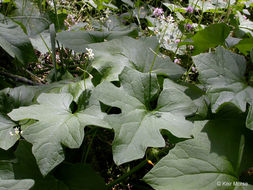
[
  {"x": 223, "y": 73},
  {"x": 56, "y": 126},
  {"x": 12, "y": 184},
  {"x": 139, "y": 124},
  {"x": 80, "y": 39},
  {"x": 203, "y": 5},
  {"x": 208, "y": 161},
  {"x": 6, "y": 127},
  {"x": 245, "y": 45},
  {"x": 28, "y": 14},
  {"x": 11, "y": 98},
  {"x": 7, "y": 181},
  {"x": 245, "y": 24},
  {"x": 112, "y": 56},
  {"x": 15, "y": 42},
  {"x": 207, "y": 6},
  {"x": 26, "y": 167},
  {"x": 80, "y": 177},
  {"x": 249, "y": 120},
  {"x": 210, "y": 37}
]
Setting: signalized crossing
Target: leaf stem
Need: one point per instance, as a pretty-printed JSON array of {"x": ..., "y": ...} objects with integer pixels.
[{"x": 126, "y": 175}]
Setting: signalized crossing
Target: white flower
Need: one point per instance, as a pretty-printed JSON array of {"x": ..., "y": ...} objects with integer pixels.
[
  {"x": 51, "y": 3},
  {"x": 16, "y": 130},
  {"x": 170, "y": 19},
  {"x": 90, "y": 53},
  {"x": 11, "y": 134}
]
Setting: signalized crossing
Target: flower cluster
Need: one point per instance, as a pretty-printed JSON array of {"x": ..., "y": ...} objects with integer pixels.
[
  {"x": 17, "y": 132},
  {"x": 90, "y": 53},
  {"x": 189, "y": 9},
  {"x": 69, "y": 21},
  {"x": 158, "y": 12},
  {"x": 188, "y": 26}
]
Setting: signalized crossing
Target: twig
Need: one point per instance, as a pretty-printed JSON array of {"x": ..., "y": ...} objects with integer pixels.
[{"x": 19, "y": 78}]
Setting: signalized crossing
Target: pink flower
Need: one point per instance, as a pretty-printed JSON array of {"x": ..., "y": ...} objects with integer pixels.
[
  {"x": 177, "y": 61},
  {"x": 177, "y": 41},
  {"x": 189, "y": 9},
  {"x": 191, "y": 47},
  {"x": 158, "y": 12},
  {"x": 188, "y": 26}
]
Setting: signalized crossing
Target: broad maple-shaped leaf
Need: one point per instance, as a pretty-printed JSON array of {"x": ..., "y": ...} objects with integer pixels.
[
  {"x": 138, "y": 126},
  {"x": 111, "y": 57},
  {"x": 56, "y": 125},
  {"x": 223, "y": 74},
  {"x": 209, "y": 161}
]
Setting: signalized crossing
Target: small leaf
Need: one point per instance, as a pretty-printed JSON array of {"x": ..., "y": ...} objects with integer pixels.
[
  {"x": 245, "y": 45},
  {"x": 6, "y": 127},
  {"x": 249, "y": 120}
]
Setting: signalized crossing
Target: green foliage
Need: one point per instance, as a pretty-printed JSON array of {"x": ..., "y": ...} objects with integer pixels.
[
  {"x": 210, "y": 37},
  {"x": 212, "y": 157},
  {"x": 127, "y": 95},
  {"x": 139, "y": 119},
  {"x": 15, "y": 42}
]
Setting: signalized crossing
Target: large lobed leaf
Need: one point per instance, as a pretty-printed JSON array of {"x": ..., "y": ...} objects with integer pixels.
[
  {"x": 223, "y": 74},
  {"x": 139, "y": 125},
  {"x": 210, "y": 161},
  {"x": 112, "y": 56},
  {"x": 80, "y": 39},
  {"x": 56, "y": 126}
]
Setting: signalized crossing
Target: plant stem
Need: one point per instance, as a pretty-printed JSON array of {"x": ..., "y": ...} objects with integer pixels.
[
  {"x": 126, "y": 175},
  {"x": 215, "y": 11},
  {"x": 19, "y": 78},
  {"x": 52, "y": 37},
  {"x": 228, "y": 11},
  {"x": 84, "y": 158},
  {"x": 55, "y": 12}
]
